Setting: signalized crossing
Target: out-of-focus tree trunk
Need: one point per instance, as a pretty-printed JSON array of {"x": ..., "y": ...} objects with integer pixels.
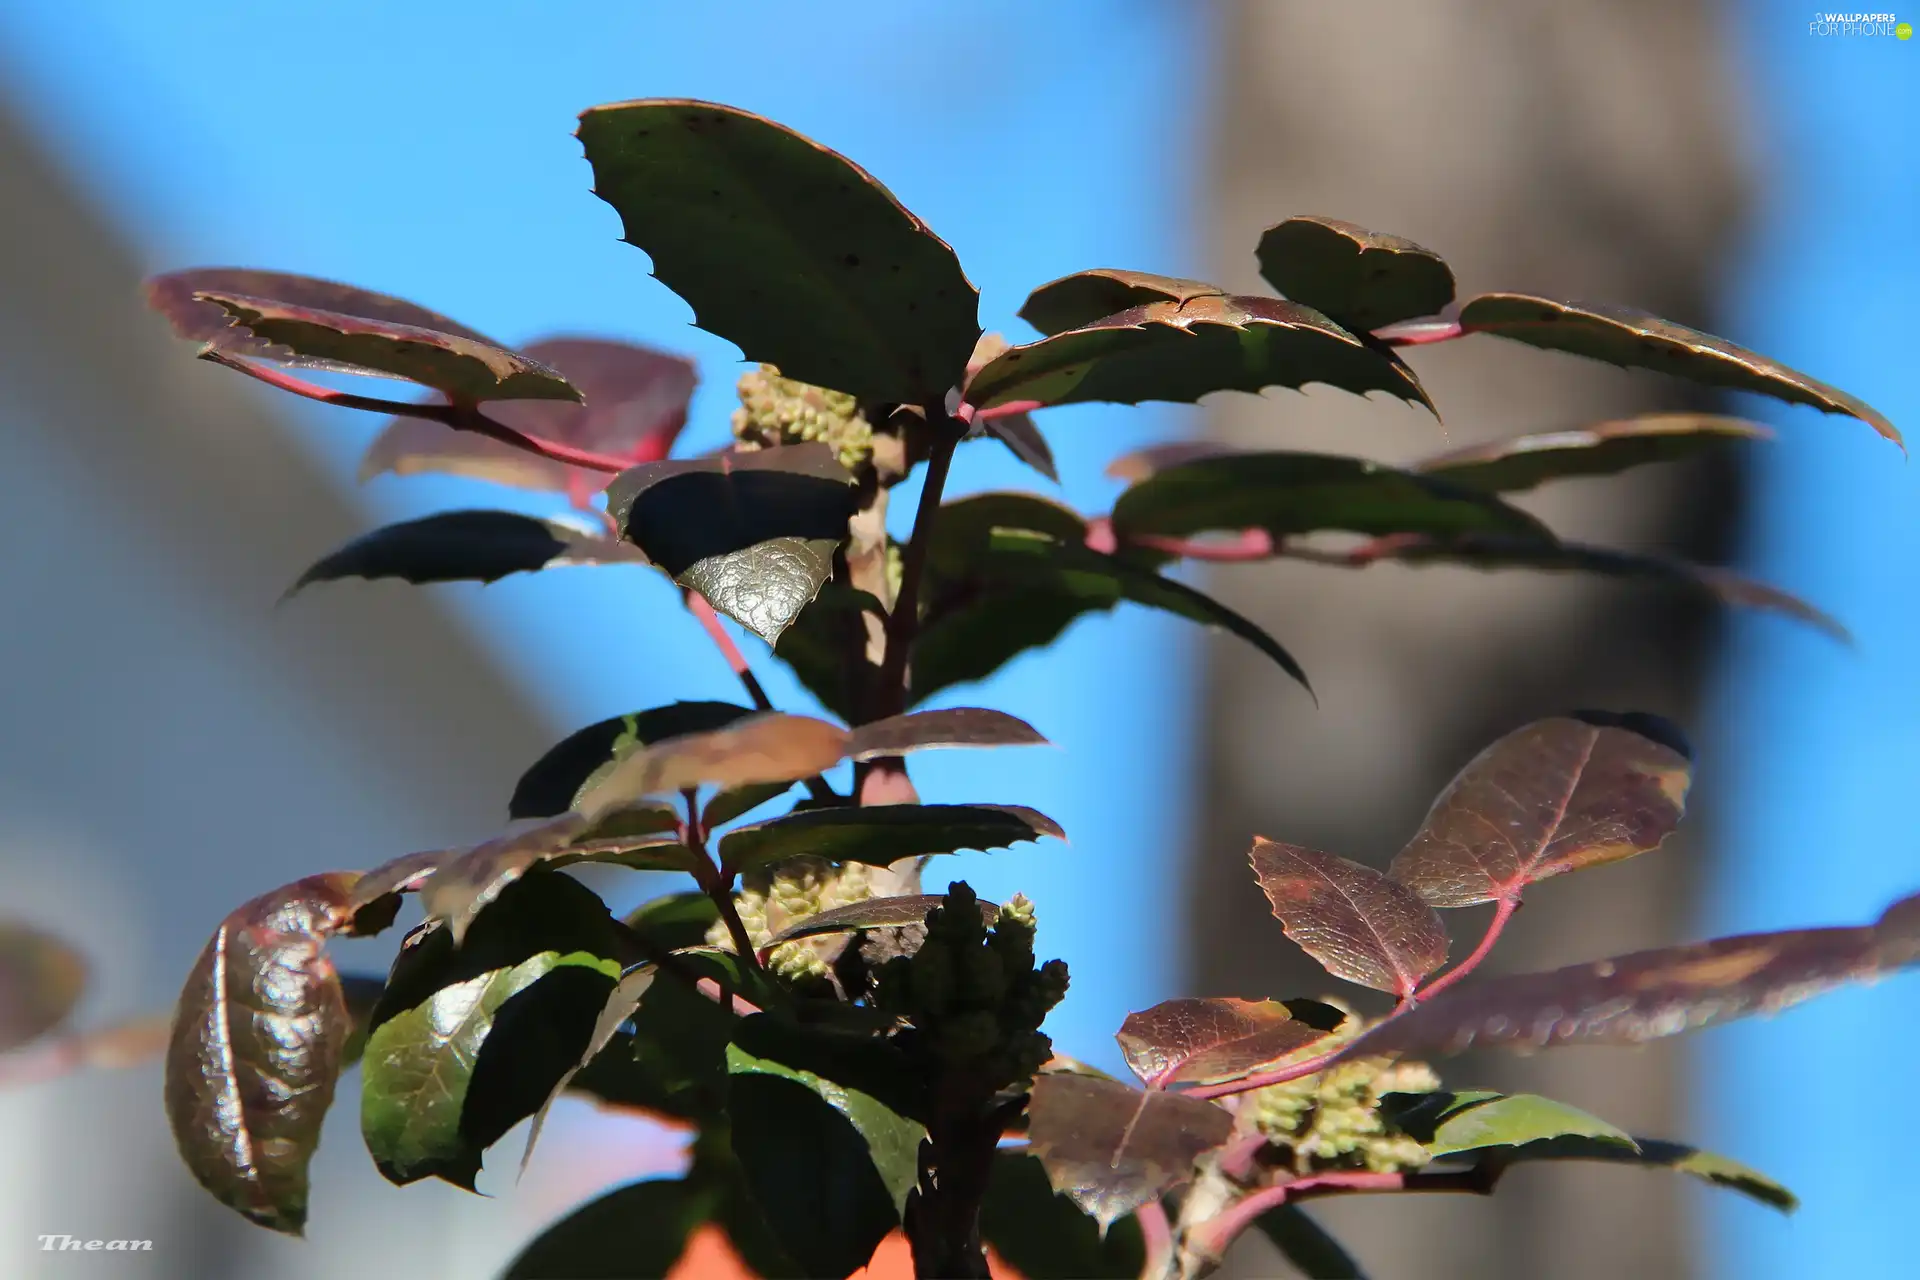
[{"x": 1587, "y": 149}]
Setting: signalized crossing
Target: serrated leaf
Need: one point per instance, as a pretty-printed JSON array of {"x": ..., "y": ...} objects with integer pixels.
[
  {"x": 476, "y": 546},
  {"x": 640, "y": 1229},
  {"x": 1603, "y": 449},
  {"x": 931, "y": 730},
  {"x": 883, "y": 835},
  {"x": 1111, "y": 1148},
  {"x": 41, "y": 980},
  {"x": 468, "y": 1041},
  {"x": 553, "y": 783},
  {"x": 1306, "y": 1244},
  {"x": 1194, "y": 1040},
  {"x": 1650, "y": 994},
  {"x": 255, "y": 1050},
  {"x": 1288, "y": 494},
  {"x": 1181, "y": 351},
  {"x": 1552, "y": 797},
  {"x": 1636, "y": 340},
  {"x": 1363, "y": 279},
  {"x": 785, "y": 248},
  {"x": 1044, "y": 1235},
  {"x": 466, "y": 369},
  {"x": 635, "y": 404},
  {"x": 830, "y": 1166},
  {"x": 873, "y": 913},
  {"x": 1357, "y": 923},
  {"x": 767, "y": 747},
  {"x": 1087, "y": 296},
  {"x": 753, "y": 532}
]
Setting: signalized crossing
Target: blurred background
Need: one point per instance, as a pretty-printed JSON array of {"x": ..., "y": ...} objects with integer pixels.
[{"x": 173, "y": 743}]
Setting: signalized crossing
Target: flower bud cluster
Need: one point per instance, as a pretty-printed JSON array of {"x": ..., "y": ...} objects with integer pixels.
[
  {"x": 769, "y": 900},
  {"x": 1333, "y": 1120},
  {"x": 775, "y": 411}
]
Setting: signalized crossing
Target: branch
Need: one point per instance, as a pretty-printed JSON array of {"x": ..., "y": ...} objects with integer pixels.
[
  {"x": 718, "y": 887},
  {"x": 1420, "y": 333},
  {"x": 697, "y": 605},
  {"x": 903, "y": 620},
  {"x": 1223, "y": 1229},
  {"x": 1279, "y": 1075},
  {"x": 1248, "y": 545},
  {"x": 1501, "y": 914}
]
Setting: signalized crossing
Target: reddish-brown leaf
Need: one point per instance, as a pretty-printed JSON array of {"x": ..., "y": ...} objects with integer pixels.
[
  {"x": 1649, "y": 994},
  {"x": 404, "y": 874},
  {"x": 635, "y": 403},
  {"x": 1155, "y": 458},
  {"x": 41, "y": 980},
  {"x": 1200, "y": 1041},
  {"x": 1603, "y": 449},
  {"x": 1086, "y": 296},
  {"x": 764, "y": 748},
  {"x": 955, "y": 727},
  {"x": 1552, "y": 797},
  {"x": 1364, "y": 279},
  {"x": 1111, "y": 1147},
  {"x": 255, "y": 1049},
  {"x": 1356, "y": 922}
]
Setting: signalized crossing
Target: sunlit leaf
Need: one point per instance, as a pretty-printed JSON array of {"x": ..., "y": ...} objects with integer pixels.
[
  {"x": 1087, "y": 296},
  {"x": 1111, "y": 1147},
  {"x": 1191, "y": 1040},
  {"x": 1634, "y": 339},
  {"x": 1181, "y": 351},
  {"x": 41, "y": 980},
  {"x": 674, "y": 920},
  {"x": 785, "y": 248},
  {"x": 951, "y": 727},
  {"x": 1363, "y": 279},
  {"x": 883, "y": 834},
  {"x": 1603, "y": 449},
  {"x": 1357, "y": 923},
  {"x": 255, "y": 1049},
  {"x": 621, "y": 1003},
  {"x": 635, "y": 405},
  {"x": 768, "y": 747},
  {"x": 753, "y": 532},
  {"x": 1044, "y": 1235},
  {"x": 478, "y": 546},
  {"x": 1552, "y": 797},
  {"x": 552, "y": 785}
]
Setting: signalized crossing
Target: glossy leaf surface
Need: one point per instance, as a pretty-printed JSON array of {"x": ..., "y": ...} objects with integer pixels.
[
  {"x": 1634, "y": 339},
  {"x": 884, "y": 834},
  {"x": 553, "y": 783},
  {"x": 1363, "y": 279},
  {"x": 767, "y": 747},
  {"x": 1087, "y": 296},
  {"x": 1111, "y": 1147},
  {"x": 1357, "y": 923},
  {"x": 785, "y": 248},
  {"x": 1603, "y": 449},
  {"x": 1192, "y": 1040},
  {"x": 476, "y": 546},
  {"x": 1552, "y": 797}
]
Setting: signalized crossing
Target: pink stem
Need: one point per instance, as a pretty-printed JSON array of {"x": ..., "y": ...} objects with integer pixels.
[
  {"x": 1006, "y": 410},
  {"x": 1420, "y": 333},
  {"x": 1249, "y": 544},
  {"x": 736, "y": 661},
  {"x": 1223, "y": 1229},
  {"x": 1236, "y": 1158},
  {"x": 1279, "y": 1075},
  {"x": 1501, "y": 914},
  {"x": 459, "y": 417},
  {"x": 1157, "y": 1232}
]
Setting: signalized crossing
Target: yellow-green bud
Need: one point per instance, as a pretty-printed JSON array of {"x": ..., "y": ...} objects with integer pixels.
[
  {"x": 775, "y": 411},
  {"x": 1333, "y": 1120},
  {"x": 771, "y": 900}
]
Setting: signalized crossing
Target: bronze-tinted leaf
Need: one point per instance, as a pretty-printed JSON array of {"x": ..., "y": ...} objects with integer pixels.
[
  {"x": 872, "y": 913},
  {"x": 466, "y": 369},
  {"x": 404, "y": 874},
  {"x": 1649, "y": 994},
  {"x": 1288, "y": 494},
  {"x": 1181, "y": 351},
  {"x": 1356, "y": 922},
  {"x": 255, "y": 1049},
  {"x": 1142, "y": 464},
  {"x": 1087, "y": 296},
  {"x": 1603, "y": 449},
  {"x": 770, "y": 747},
  {"x": 753, "y": 532},
  {"x": 739, "y": 801},
  {"x": 785, "y": 248},
  {"x": 41, "y": 980},
  {"x": 1634, "y": 339},
  {"x": 1112, "y": 1147},
  {"x": 635, "y": 403},
  {"x": 953, "y": 727},
  {"x": 1552, "y": 797},
  {"x": 1361, "y": 278},
  {"x": 882, "y": 835},
  {"x": 474, "y": 546},
  {"x": 553, "y": 784},
  {"x": 1015, "y": 430},
  {"x": 1493, "y": 551},
  {"x": 1193, "y": 1040}
]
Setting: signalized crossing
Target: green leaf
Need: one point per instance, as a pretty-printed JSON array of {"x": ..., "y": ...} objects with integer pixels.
[
  {"x": 1303, "y": 1242},
  {"x": 1361, "y": 278},
  {"x": 1087, "y": 296},
  {"x": 1603, "y": 449},
  {"x": 830, "y": 1166},
  {"x": 728, "y": 805},
  {"x": 785, "y": 248},
  {"x": 639, "y": 1230},
  {"x": 1181, "y": 351},
  {"x": 468, "y": 370},
  {"x": 1044, "y": 1235},
  {"x": 1636, "y": 340},
  {"x": 882, "y": 835},
  {"x": 1288, "y": 494},
  {"x": 41, "y": 980},
  {"x": 826, "y": 648},
  {"x": 674, "y": 1063},
  {"x": 439, "y": 1085},
  {"x": 1451, "y": 1123},
  {"x": 556, "y": 779},
  {"x": 674, "y": 920},
  {"x": 753, "y": 532},
  {"x": 470, "y": 546}
]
